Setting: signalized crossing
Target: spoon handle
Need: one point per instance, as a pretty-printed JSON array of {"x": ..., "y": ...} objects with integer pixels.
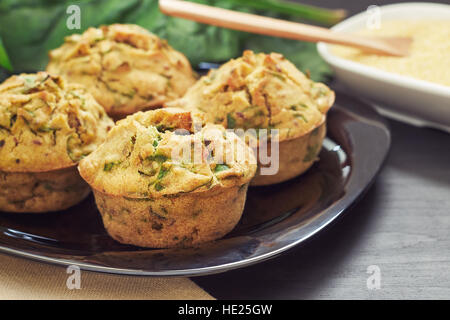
[{"x": 274, "y": 27}]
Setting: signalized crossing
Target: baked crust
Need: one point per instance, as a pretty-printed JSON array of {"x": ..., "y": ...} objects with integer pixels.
[
  {"x": 46, "y": 127},
  {"x": 141, "y": 156},
  {"x": 179, "y": 221},
  {"x": 125, "y": 67},
  {"x": 295, "y": 157},
  {"x": 265, "y": 91},
  {"x": 150, "y": 194},
  {"x": 46, "y": 124},
  {"x": 41, "y": 191}
]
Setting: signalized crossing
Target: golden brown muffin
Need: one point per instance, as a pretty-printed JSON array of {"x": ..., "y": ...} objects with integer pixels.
[
  {"x": 160, "y": 182},
  {"x": 266, "y": 91},
  {"x": 125, "y": 67},
  {"x": 46, "y": 127}
]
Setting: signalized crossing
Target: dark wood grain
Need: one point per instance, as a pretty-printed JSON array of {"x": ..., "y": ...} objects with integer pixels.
[{"x": 402, "y": 225}]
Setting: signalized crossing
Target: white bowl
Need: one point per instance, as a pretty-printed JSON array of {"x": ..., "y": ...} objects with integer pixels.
[{"x": 404, "y": 98}]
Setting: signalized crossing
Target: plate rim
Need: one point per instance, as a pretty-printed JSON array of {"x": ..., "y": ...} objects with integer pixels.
[{"x": 338, "y": 208}]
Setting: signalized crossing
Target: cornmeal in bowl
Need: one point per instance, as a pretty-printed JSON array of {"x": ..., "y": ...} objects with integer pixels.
[
  {"x": 125, "y": 67},
  {"x": 163, "y": 180},
  {"x": 46, "y": 127},
  {"x": 266, "y": 91},
  {"x": 428, "y": 59}
]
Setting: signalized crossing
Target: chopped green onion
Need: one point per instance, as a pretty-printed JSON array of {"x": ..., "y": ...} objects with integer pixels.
[
  {"x": 311, "y": 153},
  {"x": 158, "y": 186},
  {"x": 277, "y": 75},
  {"x": 302, "y": 117},
  {"x": 46, "y": 129},
  {"x": 221, "y": 167},
  {"x": 231, "y": 122},
  {"x": 163, "y": 172},
  {"x": 108, "y": 166},
  {"x": 160, "y": 158}
]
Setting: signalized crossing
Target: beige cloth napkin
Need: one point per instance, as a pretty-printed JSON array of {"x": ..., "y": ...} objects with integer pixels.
[{"x": 25, "y": 279}]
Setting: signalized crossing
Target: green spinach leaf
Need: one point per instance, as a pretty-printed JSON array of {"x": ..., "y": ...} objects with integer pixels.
[{"x": 30, "y": 28}]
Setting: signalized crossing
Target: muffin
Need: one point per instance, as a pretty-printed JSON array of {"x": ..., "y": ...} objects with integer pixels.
[
  {"x": 125, "y": 67},
  {"x": 162, "y": 180},
  {"x": 266, "y": 91},
  {"x": 46, "y": 127}
]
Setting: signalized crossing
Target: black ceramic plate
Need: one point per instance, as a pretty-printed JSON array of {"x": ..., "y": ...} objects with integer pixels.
[{"x": 275, "y": 219}]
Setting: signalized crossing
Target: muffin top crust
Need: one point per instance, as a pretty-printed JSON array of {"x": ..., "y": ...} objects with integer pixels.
[
  {"x": 47, "y": 124},
  {"x": 260, "y": 91},
  {"x": 125, "y": 67},
  {"x": 167, "y": 152}
]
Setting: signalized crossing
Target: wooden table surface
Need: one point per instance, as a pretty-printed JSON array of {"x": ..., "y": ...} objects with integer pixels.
[{"x": 401, "y": 226}]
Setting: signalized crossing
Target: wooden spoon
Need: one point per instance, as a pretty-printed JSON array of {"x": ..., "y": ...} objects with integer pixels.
[{"x": 395, "y": 46}]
